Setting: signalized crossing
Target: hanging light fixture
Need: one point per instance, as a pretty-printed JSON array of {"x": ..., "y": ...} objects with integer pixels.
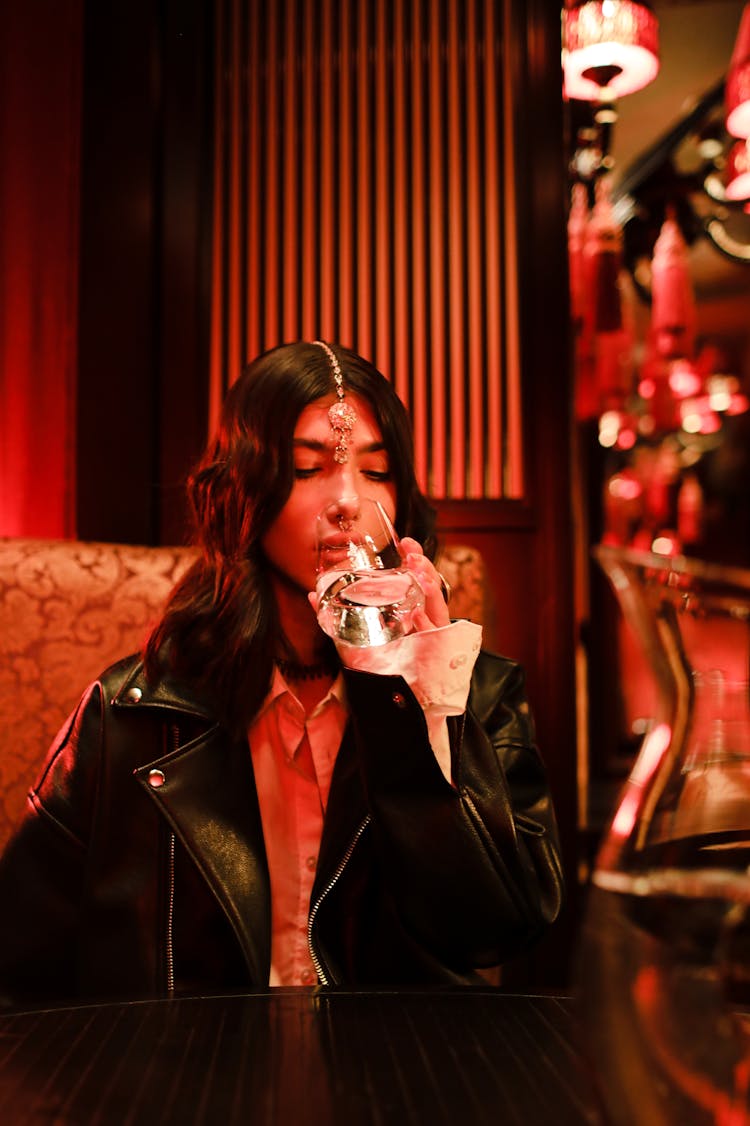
[
  {"x": 610, "y": 48},
  {"x": 737, "y": 93}
]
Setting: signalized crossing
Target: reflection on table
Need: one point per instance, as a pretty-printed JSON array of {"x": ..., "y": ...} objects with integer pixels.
[{"x": 298, "y": 1056}]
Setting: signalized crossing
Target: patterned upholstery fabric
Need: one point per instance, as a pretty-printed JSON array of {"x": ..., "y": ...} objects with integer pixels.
[
  {"x": 67, "y": 610},
  {"x": 464, "y": 569},
  {"x": 70, "y": 608}
]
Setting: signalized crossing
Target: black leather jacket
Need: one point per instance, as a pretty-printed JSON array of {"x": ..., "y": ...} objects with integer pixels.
[{"x": 139, "y": 869}]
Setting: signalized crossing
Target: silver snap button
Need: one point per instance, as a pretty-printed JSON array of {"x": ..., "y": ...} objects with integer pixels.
[
  {"x": 133, "y": 695},
  {"x": 156, "y": 779},
  {"x": 399, "y": 700}
]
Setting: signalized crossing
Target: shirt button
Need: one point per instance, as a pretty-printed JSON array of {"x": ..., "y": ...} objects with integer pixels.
[
  {"x": 133, "y": 695},
  {"x": 156, "y": 779},
  {"x": 312, "y": 862},
  {"x": 308, "y": 977},
  {"x": 458, "y": 660}
]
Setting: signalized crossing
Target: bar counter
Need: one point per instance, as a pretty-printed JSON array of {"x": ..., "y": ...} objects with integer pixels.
[{"x": 326, "y": 1057}]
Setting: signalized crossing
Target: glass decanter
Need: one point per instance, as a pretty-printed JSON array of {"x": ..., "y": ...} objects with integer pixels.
[{"x": 664, "y": 961}]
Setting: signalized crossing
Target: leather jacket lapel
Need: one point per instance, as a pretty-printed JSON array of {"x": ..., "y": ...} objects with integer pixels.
[
  {"x": 347, "y": 798},
  {"x": 206, "y": 791}
]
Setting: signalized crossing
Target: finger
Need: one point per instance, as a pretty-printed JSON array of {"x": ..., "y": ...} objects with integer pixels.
[
  {"x": 411, "y": 546},
  {"x": 434, "y": 603}
]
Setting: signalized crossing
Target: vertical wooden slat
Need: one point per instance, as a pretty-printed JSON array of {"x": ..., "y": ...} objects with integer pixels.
[
  {"x": 455, "y": 264},
  {"x": 364, "y": 187},
  {"x": 271, "y": 210},
  {"x": 437, "y": 265},
  {"x": 254, "y": 220},
  {"x": 492, "y": 263},
  {"x": 475, "y": 311},
  {"x": 290, "y": 171},
  {"x": 383, "y": 195},
  {"x": 346, "y": 143},
  {"x": 236, "y": 205},
  {"x": 513, "y": 482},
  {"x": 309, "y": 247},
  {"x": 329, "y": 168},
  {"x": 218, "y": 295},
  {"x": 420, "y": 263},
  {"x": 402, "y": 58}
]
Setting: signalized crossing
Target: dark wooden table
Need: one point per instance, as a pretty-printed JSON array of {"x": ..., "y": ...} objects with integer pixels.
[{"x": 295, "y": 1056}]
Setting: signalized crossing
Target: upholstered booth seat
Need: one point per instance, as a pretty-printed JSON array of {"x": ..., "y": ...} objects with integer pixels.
[
  {"x": 67, "y": 610},
  {"x": 70, "y": 608}
]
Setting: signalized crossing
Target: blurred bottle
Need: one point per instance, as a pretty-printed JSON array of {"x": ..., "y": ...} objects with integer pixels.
[{"x": 664, "y": 960}]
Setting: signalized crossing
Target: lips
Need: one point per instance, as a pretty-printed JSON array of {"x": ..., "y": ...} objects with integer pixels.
[{"x": 334, "y": 551}]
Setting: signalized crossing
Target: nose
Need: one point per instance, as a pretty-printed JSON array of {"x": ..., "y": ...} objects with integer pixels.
[{"x": 344, "y": 509}]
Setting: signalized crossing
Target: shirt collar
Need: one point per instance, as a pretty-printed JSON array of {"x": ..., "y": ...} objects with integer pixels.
[{"x": 280, "y": 688}]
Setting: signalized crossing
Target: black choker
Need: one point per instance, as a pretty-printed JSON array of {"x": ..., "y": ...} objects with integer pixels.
[{"x": 295, "y": 670}]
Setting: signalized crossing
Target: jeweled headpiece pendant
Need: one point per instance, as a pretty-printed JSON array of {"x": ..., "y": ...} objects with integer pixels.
[{"x": 341, "y": 415}]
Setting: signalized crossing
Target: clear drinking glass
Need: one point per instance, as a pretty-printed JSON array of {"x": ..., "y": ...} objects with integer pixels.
[
  {"x": 365, "y": 594},
  {"x": 664, "y": 964}
]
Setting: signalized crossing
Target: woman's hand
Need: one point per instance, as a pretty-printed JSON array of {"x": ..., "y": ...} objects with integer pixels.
[{"x": 435, "y": 611}]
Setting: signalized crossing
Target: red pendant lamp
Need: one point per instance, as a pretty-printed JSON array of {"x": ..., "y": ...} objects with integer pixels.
[
  {"x": 610, "y": 48},
  {"x": 737, "y": 92},
  {"x": 672, "y": 306}
]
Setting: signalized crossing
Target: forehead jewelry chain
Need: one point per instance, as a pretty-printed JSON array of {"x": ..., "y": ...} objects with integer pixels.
[{"x": 341, "y": 415}]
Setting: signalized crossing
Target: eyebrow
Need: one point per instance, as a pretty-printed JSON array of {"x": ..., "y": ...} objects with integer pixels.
[{"x": 324, "y": 447}]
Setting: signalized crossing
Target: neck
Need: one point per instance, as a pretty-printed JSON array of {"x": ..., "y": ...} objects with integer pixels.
[
  {"x": 294, "y": 671},
  {"x": 306, "y": 642}
]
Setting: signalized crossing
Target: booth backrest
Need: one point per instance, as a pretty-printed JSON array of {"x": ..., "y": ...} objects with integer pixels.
[{"x": 69, "y": 608}]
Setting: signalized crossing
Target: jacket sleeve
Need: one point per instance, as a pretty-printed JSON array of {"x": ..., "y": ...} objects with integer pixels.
[
  {"x": 42, "y": 867},
  {"x": 474, "y": 867}
]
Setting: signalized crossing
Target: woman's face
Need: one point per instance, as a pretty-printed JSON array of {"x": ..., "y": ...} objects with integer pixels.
[{"x": 290, "y": 544}]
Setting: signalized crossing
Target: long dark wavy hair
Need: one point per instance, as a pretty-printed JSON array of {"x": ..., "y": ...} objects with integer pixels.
[{"x": 220, "y": 629}]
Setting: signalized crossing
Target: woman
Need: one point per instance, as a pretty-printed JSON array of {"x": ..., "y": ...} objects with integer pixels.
[{"x": 238, "y": 808}]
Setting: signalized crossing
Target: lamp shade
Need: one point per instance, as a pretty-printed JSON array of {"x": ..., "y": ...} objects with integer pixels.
[
  {"x": 737, "y": 91},
  {"x": 738, "y": 172},
  {"x": 610, "y": 48}
]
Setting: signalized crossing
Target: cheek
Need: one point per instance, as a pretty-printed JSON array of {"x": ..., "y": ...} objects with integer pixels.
[{"x": 297, "y": 529}]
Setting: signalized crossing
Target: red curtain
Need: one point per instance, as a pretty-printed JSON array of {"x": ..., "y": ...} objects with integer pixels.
[{"x": 40, "y": 98}]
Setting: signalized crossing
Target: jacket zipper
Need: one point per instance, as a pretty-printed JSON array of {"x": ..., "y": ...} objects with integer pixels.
[
  {"x": 316, "y": 961},
  {"x": 170, "y": 919},
  {"x": 175, "y": 733}
]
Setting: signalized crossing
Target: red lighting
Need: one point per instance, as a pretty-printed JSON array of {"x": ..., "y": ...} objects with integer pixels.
[
  {"x": 737, "y": 93},
  {"x": 647, "y": 388},
  {"x": 738, "y": 404},
  {"x": 610, "y": 48},
  {"x": 738, "y": 172},
  {"x": 625, "y": 486},
  {"x": 666, "y": 543},
  {"x": 697, "y": 417},
  {"x": 684, "y": 380}
]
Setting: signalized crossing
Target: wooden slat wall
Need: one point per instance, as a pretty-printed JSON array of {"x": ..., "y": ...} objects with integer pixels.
[{"x": 364, "y": 194}]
